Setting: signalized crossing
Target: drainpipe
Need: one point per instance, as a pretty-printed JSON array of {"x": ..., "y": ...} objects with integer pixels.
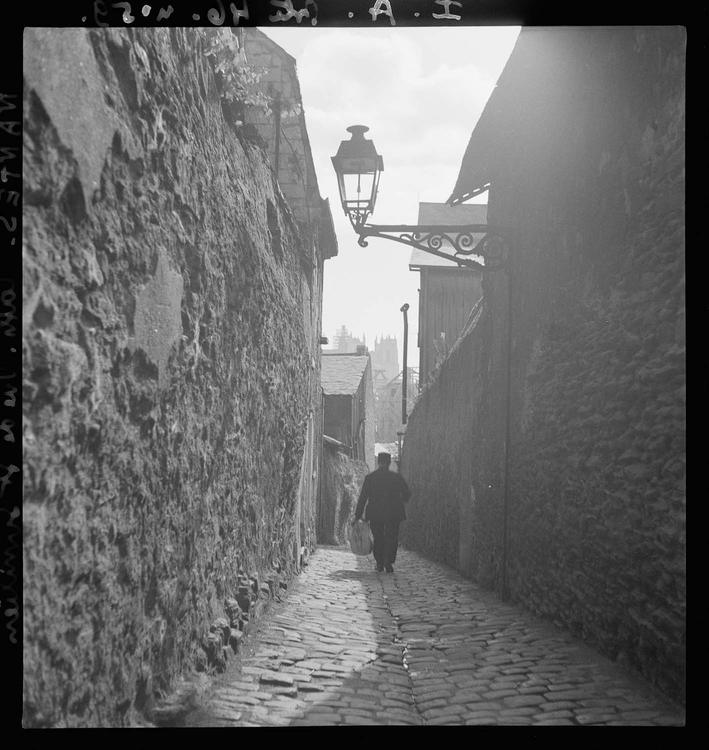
[{"x": 404, "y": 308}]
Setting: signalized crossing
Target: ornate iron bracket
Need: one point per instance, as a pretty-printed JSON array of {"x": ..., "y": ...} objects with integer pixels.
[{"x": 481, "y": 240}]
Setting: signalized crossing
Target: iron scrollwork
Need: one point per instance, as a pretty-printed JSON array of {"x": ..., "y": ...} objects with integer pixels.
[
  {"x": 459, "y": 242},
  {"x": 463, "y": 243}
]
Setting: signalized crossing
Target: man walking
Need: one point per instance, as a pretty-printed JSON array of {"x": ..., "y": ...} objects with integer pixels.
[{"x": 383, "y": 493}]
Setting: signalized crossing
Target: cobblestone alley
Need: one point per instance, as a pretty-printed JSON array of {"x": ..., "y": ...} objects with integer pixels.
[
  {"x": 217, "y": 378},
  {"x": 420, "y": 646}
]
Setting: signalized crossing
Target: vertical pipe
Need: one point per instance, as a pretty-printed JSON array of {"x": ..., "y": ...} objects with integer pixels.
[{"x": 404, "y": 308}]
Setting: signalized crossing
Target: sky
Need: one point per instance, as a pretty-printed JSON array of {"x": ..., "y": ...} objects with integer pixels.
[{"x": 420, "y": 92}]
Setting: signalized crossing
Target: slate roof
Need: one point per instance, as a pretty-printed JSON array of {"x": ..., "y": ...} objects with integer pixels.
[
  {"x": 442, "y": 213},
  {"x": 341, "y": 374}
]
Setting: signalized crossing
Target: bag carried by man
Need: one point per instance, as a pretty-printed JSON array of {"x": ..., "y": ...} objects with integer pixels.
[{"x": 361, "y": 541}]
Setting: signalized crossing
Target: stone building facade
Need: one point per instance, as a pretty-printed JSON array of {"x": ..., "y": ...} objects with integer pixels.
[
  {"x": 348, "y": 403},
  {"x": 282, "y": 131},
  {"x": 388, "y": 405},
  {"x": 171, "y": 361},
  {"x": 346, "y": 343},
  {"x": 385, "y": 360},
  {"x": 385, "y": 373},
  {"x": 348, "y": 439},
  {"x": 566, "y": 491},
  {"x": 341, "y": 481}
]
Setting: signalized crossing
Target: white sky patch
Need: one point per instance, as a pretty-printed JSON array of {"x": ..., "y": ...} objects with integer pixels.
[{"x": 421, "y": 92}]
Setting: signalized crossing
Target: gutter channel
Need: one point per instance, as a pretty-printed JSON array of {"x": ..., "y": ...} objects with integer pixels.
[{"x": 397, "y": 639}]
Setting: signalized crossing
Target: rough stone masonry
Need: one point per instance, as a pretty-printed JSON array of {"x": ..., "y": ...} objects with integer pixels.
[
  {"x": 583, "y": 144},
  {"x": 165, "y": 354}
]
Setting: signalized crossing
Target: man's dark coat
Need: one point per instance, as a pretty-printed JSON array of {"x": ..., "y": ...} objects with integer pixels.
[{"x": 384, "y": 492}]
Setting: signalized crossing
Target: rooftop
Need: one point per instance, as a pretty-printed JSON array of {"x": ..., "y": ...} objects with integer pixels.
[
  {"x": 544, "y": 89},
  {"x": 341, "y": 374}
]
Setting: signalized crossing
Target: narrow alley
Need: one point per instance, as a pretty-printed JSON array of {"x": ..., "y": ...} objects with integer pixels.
[
  {"x": 228, "y": 361},
  {"x": 421, "y": 646}
]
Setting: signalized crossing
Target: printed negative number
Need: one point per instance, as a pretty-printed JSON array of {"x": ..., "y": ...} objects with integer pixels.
[
  {"x": 10, "y": 396},
  {"x": 6, "y": 478},
  {"x": 6, "y": 426},
  {"x": 128, "y": 16},
  {"x": 217, "y": 16},
  {"x": 446, "y": 10},
  {"x": 5, "y": 102},
  {"x": 285, "y": 11}
]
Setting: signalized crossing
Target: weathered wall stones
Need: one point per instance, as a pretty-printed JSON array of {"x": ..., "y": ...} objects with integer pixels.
[
  {"x": 597, "y": 452},
  {"x": 169, "y": 377},
  {"x": 157, "y": 321},
  {"x": 342, "y": 479}
]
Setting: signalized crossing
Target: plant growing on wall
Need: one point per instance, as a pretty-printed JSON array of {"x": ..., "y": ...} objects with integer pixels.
[{"x": 239, "y": 82}]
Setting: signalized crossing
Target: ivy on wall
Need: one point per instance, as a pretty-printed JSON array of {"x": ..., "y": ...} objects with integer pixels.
[{"x": 240, "y": 83}]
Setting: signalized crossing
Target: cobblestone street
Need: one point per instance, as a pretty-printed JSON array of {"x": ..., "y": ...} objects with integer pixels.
[{"x": 420, "y": 646}]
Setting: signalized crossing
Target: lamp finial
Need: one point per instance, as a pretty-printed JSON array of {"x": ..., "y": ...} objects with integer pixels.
[{"x": 357, "y": 131}]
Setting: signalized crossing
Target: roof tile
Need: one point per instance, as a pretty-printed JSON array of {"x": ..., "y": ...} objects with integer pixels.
[{"x": 341, "y": 374}]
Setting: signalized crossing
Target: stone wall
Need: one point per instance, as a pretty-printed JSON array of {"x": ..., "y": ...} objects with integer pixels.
[
  {"x": 596, "y": 504},
  {"x": 170, "y": 383},
  {"x": 342, "y": 479},
  {"x": 370, "y": 422},
  {"x": 289, "y": 146},
  {"x": 290, "y": 157}
]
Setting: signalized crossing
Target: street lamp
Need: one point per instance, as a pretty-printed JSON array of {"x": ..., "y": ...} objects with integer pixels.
[{"x": 358, "y": 167}]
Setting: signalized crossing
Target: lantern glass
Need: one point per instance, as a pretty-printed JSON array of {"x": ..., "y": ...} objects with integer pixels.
[
  {"x": 358, "y": 189},
  {"x": 357, "y": 165}
]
